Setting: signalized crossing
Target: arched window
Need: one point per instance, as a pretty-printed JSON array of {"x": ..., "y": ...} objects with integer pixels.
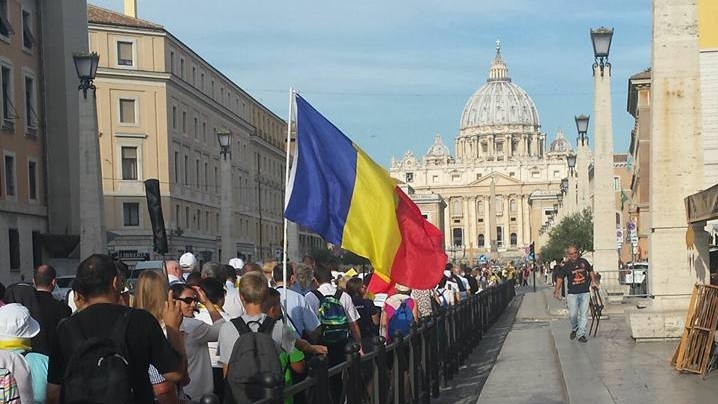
[
  {"x": 514, "y": 240},
  {"x": 456, "y": 207},
  {"x": 482, "y": 240},
  {"x": 458, "y": 234},
  {"x": 499, "y": 204},
  {"x": 480, "y": 207},
  {"x": 512, "y": 206}
]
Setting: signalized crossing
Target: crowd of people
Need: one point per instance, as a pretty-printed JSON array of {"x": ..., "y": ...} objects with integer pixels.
[{"x": 176, "y": 335}]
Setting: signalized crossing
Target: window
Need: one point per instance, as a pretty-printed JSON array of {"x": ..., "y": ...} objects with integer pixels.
[
  {"x": 455, "y": 177},
  {"x": 480, "y": 207},
  {"x": 409, "y": 177},
  {"x": 186, "y": 218},
  {"x": 194, "y": 75},
  {"x": 204, "y": 132},
  {"x": 206, "y": 177},
  {"x": 556, "y": 174},
  {"x": 512, "y": 174},
  {"x": 212, "y": 88},
  {"x": 202, "y": 80},
  {"x": 176, "y": 167},
  {"x": 216, "y": 181},
  {"x": 9, "y": 175},
  {"x": 186, "y": 169},
  {"x": 5, "y": 27},
  {"x": 499, "y": 147},
  {"x": 125, "y": 52},
  {"x": 196, "y": 173},
  {"x": 512, "y": 206},
  {"x": 499, "y": 204},
  {"x": 206, "y": 222},
  {"x": 184, "y": 122},
  {"x": 129, "y": 163},
  {"x": 172, "y": 62},
  {"x": 535, "y": 174},
  {"x": 30, "y": 114},
  {"x": 8, "y": 122},
  {"x": 456, "y": 207},
  {"x": 196, "y": 128},
  {"x": 174, "y": 117},
  {"x": 616, "y": 183},
  {"x": 177, "y": 216},
  {"x": 500, "y": 236},
  {"x": 131, "y": 213},
  {"x": 458, "y": 234},
  {"x": 27, "y": 38},
  {"x": 14, "y": 247},
  {"x": 478, "y": 176},
  {"x": 32, "y": 180},
  {"x": 199, "y": 219},
  {"x": 482, "y": 240},
  {"x": 127, "y": 111},
  {"x": 182, "y": 67},
  {"x": 484, "y": 148},
  {"x": 514, "y": 240}
]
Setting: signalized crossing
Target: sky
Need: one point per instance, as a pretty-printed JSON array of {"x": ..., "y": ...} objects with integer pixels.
[{"x": 392, "y": 74}]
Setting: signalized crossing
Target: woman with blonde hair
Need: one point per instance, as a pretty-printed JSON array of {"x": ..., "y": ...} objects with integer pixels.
[{"x": 151, "y": 293}]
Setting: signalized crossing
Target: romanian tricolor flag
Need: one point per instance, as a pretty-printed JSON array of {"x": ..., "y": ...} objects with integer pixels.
[{"x": 337, "y": 191}]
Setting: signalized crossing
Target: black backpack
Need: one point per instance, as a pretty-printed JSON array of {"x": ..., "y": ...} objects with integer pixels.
[
  {"x": 98, "y": 370},
  {"x": 254, "y": 354}
]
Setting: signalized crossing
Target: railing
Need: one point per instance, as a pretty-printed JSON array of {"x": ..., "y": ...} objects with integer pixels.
[{"x": 411, "y": 368}]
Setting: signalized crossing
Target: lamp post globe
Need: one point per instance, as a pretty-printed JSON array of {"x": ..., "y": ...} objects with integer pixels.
[
  {"x": 582, "y": 123},
  {"x": 571, "y": 161},
  {"x": 86, "y": 67},
  {"x": 224, "y": 137},
  {"x": 601, "y": 40}
]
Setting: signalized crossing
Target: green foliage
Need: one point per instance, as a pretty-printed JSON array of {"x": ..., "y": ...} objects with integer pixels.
[{"x": 576, "y": 229}]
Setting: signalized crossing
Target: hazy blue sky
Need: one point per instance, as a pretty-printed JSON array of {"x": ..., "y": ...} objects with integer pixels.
[{"x": 391, "y": 74}]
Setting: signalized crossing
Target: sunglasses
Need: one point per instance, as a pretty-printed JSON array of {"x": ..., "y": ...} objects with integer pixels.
[{"x": 187, "y": 300}]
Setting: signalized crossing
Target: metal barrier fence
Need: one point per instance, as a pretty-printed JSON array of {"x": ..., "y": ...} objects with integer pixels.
[{"x": 408, "y": 370}]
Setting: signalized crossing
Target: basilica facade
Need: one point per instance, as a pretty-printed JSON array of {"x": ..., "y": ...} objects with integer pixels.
[{"x": 501, "y": 185}]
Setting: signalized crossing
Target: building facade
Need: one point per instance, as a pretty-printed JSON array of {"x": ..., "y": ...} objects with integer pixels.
[
  {"x": 160, "y": 106},
  {"x": 503, "y": 185},
  {"x": 39, "y": 111},
  {"x": 639, "y": 96}
]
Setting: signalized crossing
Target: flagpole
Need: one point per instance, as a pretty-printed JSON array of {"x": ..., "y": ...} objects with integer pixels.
[{"x": 286, "y": 183}]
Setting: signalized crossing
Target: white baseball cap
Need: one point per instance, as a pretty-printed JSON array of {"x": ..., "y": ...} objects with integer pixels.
[
  {"x": 188, "y": 261},
  {"x": 16, "y": 322},
  {"x": 236, "y": 263}
]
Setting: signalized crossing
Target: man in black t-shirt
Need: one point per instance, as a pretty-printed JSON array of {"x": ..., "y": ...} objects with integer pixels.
[
  {"x": 580, "y": 278},
  {"x": 98, "y": 286}
]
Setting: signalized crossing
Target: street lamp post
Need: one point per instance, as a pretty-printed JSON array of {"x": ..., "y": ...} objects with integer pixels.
[
  {"x": 582, "y": 159},
  {"x": 224, "y": 137},
  {"x": 604, "y": 204},
  {"x": 92, "y": 217}
]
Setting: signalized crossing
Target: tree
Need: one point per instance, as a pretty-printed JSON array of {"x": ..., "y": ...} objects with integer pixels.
[{"x": 576, "y": 229}]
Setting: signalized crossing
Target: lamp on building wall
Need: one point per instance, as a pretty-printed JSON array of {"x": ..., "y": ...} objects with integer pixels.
[
  {"x": 601, "y": 39},
  {"x": 564, "y": 184},
  {"x": 582, "y": 125},
  {"x": 86, "y": 67},
  {"x": 225, "y": 143},
  {"x": 92, "y": 228}
]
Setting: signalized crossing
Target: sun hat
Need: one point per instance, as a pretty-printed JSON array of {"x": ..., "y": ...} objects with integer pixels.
[{"x": 16, "y": 322}]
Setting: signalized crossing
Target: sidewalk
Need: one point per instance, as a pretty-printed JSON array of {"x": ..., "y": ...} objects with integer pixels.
[{"x": 538, "y": 363}]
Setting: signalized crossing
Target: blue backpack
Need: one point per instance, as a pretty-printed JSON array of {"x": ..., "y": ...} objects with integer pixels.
[{"x": 401, "y": 321}]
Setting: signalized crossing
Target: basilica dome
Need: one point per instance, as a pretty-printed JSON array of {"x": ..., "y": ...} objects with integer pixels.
[{"x": 499, "y": 101}]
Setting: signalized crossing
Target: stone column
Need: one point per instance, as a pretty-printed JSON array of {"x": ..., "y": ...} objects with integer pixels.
[
  {"x": 676, "y": 170},
  {"x": 492, "y": 219},
  {"x": 229, "y": 246},
  {"x": 92, "y": 213},
  {"x": 583, "y": 158},
  {"x": 605, "y": 256}
]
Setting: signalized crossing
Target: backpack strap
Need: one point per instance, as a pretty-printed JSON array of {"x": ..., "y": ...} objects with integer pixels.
[
  {"x": 338, "y": 294},
  {"x": 267, "y": 325},
  {"x": 241, "y": 326},
  {"x": 319, "y": 295}
]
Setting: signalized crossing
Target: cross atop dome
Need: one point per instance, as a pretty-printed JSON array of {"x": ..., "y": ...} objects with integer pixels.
[{"x": 498, "y": 71}]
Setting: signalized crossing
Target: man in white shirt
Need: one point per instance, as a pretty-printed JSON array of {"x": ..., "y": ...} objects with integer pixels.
[
  {"x": 174, "y": 272},
  {"x": 215, "y": 294},
  {"x": 326, "y": 288}
]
